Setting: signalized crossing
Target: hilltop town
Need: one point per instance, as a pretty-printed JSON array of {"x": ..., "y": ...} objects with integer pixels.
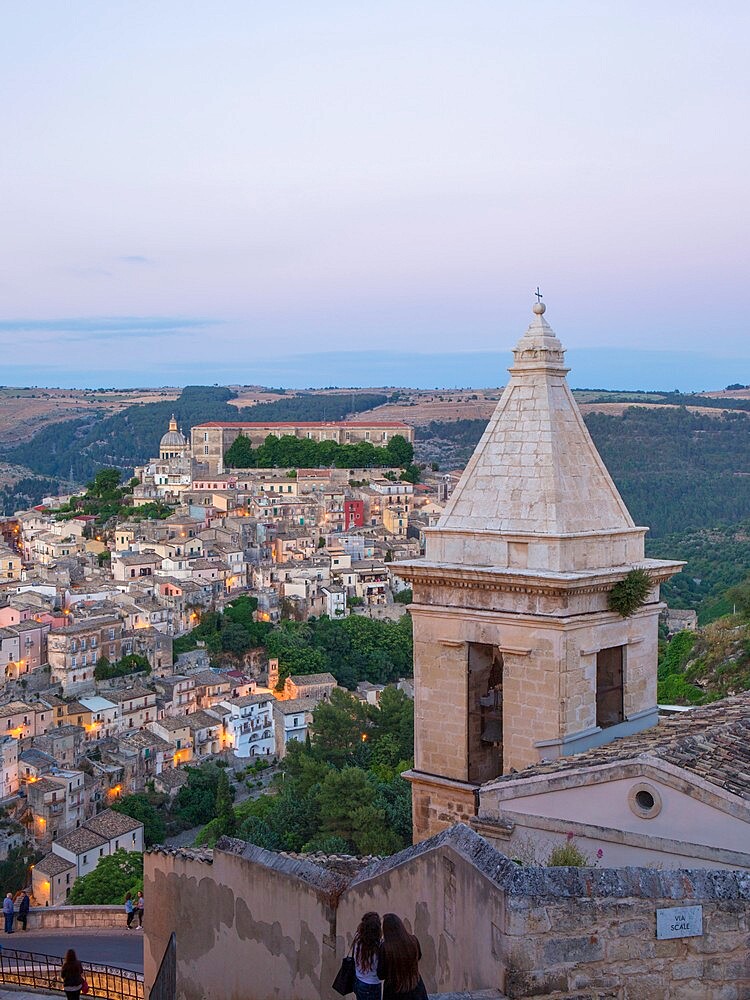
[{"x": 113, "y": 683}]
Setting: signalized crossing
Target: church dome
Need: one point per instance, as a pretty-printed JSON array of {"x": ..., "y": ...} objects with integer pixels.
[{"x": 173, "y": 438}]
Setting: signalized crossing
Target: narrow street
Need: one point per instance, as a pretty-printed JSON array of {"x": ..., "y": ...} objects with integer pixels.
[{"x": 123, "y": 949}]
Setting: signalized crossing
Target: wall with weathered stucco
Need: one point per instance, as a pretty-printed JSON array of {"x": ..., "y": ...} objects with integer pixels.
[
  {"x": 255, "y": 925},
  {"x": 259, "y": 925},
  {"x": 694, "y": 824}
]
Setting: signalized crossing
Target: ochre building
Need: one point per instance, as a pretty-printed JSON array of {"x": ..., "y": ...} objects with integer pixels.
[{"x": 517, "y": 656}]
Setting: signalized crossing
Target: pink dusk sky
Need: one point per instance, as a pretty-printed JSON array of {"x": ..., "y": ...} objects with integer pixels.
[{"x": 345, "y": 193}]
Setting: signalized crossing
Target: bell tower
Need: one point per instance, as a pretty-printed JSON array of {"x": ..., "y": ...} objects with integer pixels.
[{"x": 517, "y": 656}]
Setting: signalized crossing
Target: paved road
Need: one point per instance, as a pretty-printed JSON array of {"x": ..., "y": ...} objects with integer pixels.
[{"x": 121, "y": 948}]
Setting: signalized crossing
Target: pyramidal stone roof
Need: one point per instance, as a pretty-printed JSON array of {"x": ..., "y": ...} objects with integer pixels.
[
  {"x": 536, "y": 468},
  {"x": 536, "y": 475}
]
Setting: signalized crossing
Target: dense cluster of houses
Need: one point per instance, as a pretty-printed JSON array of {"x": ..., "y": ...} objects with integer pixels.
[{"x": 78, "y": 599}]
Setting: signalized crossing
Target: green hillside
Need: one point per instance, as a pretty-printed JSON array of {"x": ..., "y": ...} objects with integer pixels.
[
  {"x": 710, "y": 664},
  {"x": 675, "y": 469}
]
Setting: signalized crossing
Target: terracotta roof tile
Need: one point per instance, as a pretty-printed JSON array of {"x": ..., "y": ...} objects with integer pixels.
[
  {"x": 112, "y": 824},
  {"x": 81, "y": 840},
  {"x": 712, "y": 741},
  {"x": 53, "y": 864},
  {"x": 303, "y": 680}
]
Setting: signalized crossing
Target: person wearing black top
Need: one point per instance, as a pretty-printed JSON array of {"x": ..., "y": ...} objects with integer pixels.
[
  {"x": 23, "y": 910},
  {"x": 72, "y": 975},
  {"x": 398, "y": 962}
]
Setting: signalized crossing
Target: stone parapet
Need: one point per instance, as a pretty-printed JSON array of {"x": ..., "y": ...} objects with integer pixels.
[
  {"x": 488, "y": 927},
  {"x": 81, "y": 917}
]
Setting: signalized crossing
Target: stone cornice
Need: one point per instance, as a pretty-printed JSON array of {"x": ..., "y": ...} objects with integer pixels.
[
  {"x": 454, "y": 784},
  {"x": 550, "y": 620},
  {"x": 527, "y": 536},
  {"x": 520, "y": 581}
]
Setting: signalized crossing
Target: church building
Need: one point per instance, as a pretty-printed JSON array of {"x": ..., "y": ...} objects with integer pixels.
[
  {"x": 518, "y": 657},
  {"x": 169, "y": 475}
]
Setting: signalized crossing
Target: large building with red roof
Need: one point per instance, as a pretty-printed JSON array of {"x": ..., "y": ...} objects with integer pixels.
[{"x": 210, "y": 441}]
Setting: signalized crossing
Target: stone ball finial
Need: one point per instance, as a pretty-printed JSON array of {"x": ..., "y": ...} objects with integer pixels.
[{"x": 539, "y": 308}]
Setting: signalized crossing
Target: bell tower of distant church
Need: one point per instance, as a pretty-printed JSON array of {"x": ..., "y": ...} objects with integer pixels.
[{"x": 517, "y": 656}]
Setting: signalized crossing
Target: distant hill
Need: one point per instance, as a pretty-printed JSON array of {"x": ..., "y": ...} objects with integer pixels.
[
  {"x": 75, "y": 449},
  {"x": 716, "y": 559},
  {"x": 676, "y": 469}
]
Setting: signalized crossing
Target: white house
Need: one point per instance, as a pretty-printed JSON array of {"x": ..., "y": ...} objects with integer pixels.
[
  {"x": 292, "y": 719},
  {"x": 206, "y": 731},
  {"x": 249, "y": 725},
  {"x": 79, "y": 852},
  {"x": 335, "y": 601}
]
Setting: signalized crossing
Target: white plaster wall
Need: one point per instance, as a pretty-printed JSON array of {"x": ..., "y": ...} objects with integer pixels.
[
  {"x": 526, "y": 840},
  {"x": 682, "y": 817}
]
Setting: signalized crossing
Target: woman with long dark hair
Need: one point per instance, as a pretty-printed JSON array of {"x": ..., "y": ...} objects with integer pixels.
[
  {"x": 398, "y": 965},
  {"x": 72, "y": 975},
  {"x": 365, "y": 950}
]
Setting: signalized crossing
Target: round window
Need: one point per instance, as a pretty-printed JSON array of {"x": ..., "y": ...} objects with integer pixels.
[{"x": 644, "y": 800}]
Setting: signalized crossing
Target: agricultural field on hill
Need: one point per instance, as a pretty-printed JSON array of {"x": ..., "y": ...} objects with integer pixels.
[
  {"x": 26, "y": 411},
  {"x": 419, "y": 408},
  {"x": 423, "y": 407}
]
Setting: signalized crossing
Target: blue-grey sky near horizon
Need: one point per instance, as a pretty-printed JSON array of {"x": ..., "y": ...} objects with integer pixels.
[{"x": 335, "y": 193}]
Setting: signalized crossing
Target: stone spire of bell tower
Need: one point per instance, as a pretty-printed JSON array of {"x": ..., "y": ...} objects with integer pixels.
[
  {"x": 517, "y": 656},
  {"x": 536, "y": 491}
]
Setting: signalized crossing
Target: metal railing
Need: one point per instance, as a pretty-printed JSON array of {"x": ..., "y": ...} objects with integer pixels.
[
  {"x": 165, "y": 984},
  {"x": 28, "y": 968}
]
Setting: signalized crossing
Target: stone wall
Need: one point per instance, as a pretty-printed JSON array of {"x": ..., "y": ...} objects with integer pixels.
[
  {"x": 484, "y": 923},
  {"x": 242, "y": 918},
  {"x": 65, "y": 917}
]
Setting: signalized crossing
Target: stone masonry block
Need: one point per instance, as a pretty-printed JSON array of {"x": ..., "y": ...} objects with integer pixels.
[
  {"x": 536, "y": 983},
  {"x": 587, "y": 948},
  {"x": 623, "y": 949},
  {"x": 645, "y": 987},
  {"x": 690, "y": 969},
  {"x": 592, "y": 980},
  {"x": 533, "y": 920},
  {"x": 734, "y": 971}
]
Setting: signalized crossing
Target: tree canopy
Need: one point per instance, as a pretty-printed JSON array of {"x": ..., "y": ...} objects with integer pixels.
[
  {"x": 141, "y": 808},
  {"x": 293, "y": 452},
  {"x": 114, "y": 876}
]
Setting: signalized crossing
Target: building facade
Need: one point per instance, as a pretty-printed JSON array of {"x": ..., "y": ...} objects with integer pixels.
[
  {"x": 249, "y": 725},
  {"x": 74, "y": 650}
]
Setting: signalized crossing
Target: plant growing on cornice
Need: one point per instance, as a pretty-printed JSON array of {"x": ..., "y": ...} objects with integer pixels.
[{"x": 629, "y": 594}]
